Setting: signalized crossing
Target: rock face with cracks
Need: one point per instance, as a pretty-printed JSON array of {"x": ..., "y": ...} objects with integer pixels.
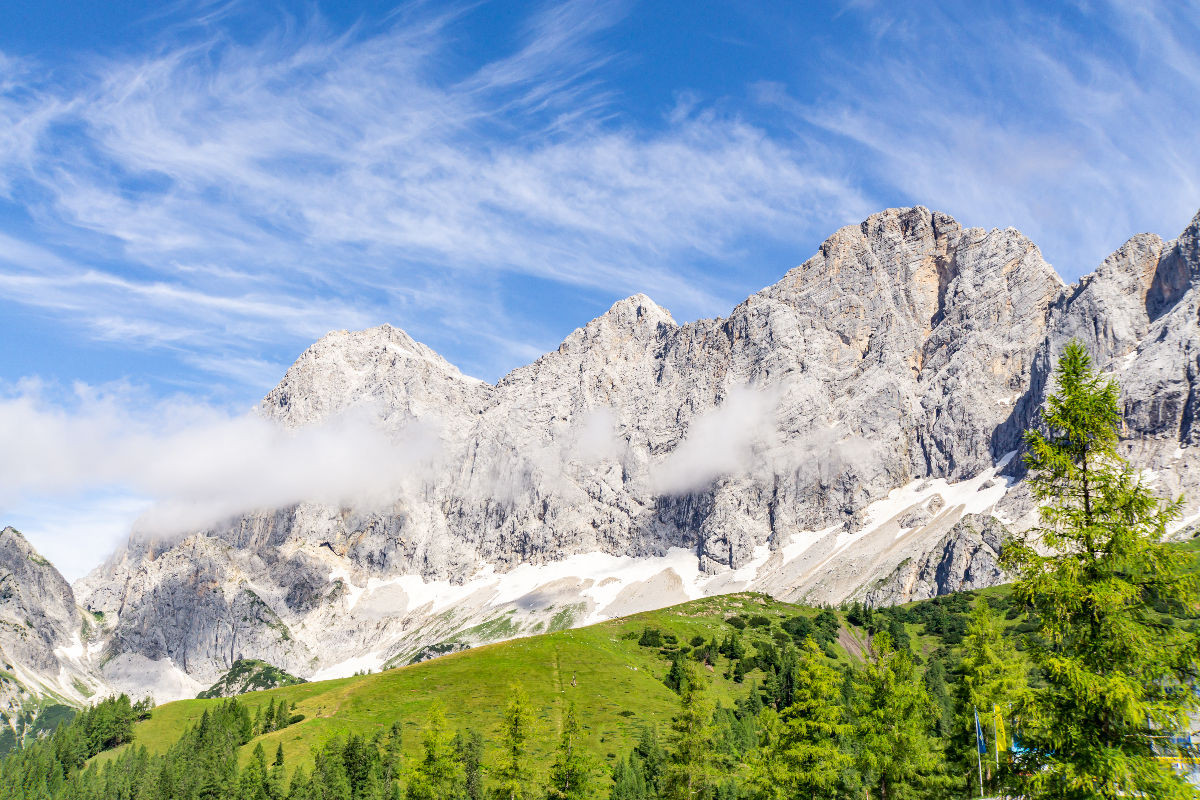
[
  {"x": 836, "y": 436},
  {"x": 44, "y": 636}
]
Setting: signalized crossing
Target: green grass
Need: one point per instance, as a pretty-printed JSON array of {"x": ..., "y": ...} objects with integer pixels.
[
  {"x": 612, "y": 674},
  {"x": 618, "y": 685}
]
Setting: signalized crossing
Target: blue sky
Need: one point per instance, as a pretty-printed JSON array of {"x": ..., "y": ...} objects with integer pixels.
[{"x": 191, "y": 193}]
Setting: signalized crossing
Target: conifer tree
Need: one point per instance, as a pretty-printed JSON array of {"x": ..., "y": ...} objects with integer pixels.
[
  {"x": 514, "y": 779},
  {"x": 629, "y": 780},
  {"x": 252, "y": 784},
  {"x": 688, "y": 773},
  {"x": 469, "y": 748},
  {"x": 438, "y": 775},
  {"x": 1097, "y": 573},
  {"x": 939, "y": 692},
  {"x": 651, "y": 757},
  {"x": 390, "y": 758},
  {"x": 898, "y": 755},
  {"x": 571, "y": 773},
  {"x": 277, "y": 776},
  {"x": 298, "y": 788},
  {"x": 994, "y": 681},
  {"x": 676, "y": 675},
  {"x": 329, "y": 778},
  {"x": 803, "y": 755}
]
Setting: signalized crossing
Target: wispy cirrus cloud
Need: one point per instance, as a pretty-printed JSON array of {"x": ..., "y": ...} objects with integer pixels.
[
  {"x": 323, "y": 178},
  {"x": 1074, "y": 123}
]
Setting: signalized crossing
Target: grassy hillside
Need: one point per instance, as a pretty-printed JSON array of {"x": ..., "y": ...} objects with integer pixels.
[{"x": 616, "y": 684}]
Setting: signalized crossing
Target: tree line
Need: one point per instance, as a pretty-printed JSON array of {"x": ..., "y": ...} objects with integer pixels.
[{"x": 1094, "y": 698}]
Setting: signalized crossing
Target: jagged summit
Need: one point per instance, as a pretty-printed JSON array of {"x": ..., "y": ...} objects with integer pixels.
[
  {"x": 837, "y": 435},
  {"x": 42, "y": 633},
  {"x": 383, "y": 366},
  {"x": 638, "y": 310}
]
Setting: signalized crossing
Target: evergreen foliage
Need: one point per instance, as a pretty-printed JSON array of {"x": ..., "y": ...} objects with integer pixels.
[
  {"x": 995, "y": 682},
  {"x": 899, "y": 755},
  {"x": 572, "y": 771},
  {"x": 1119, "y": 681},
  {"x": 513, "y": 779},
  {"x": 439, "y": 774},
  {"x": 803, "y": 755},
  {"x": 689, "y": 774}
]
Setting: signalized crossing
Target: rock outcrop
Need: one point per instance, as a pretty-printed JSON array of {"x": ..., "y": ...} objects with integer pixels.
[
  {"x": 249, "y": 675},
  {"x": 43, "y": 638},
  {"x": 783, "y": 447},
  {"x": 967, "y": 556}
]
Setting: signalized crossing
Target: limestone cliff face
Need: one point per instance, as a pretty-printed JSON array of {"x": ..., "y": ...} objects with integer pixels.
[
  {"x": 768, "y": 445},
  {"x": 43, "y": 647}
]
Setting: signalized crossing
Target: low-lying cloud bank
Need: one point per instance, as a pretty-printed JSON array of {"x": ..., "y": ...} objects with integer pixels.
[
  {"x": 197, "y": 464},
  {"x": 182, "y": 467}
]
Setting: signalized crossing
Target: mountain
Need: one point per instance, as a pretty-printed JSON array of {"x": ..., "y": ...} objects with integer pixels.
[
  {"x": 44, "y": 642},
  {"x": 848, "y": 432}
]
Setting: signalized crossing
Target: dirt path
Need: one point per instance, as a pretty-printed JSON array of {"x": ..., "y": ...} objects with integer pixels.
[{"x": 558, "y": 683}]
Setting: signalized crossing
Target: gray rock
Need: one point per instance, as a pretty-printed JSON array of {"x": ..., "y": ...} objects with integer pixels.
[
  {"x": 965, "y": 557},
  {"x": 43, "y": 636},
  {"x": 906, "y": 350}
]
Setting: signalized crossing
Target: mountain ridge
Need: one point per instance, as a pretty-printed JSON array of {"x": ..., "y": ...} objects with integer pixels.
[{"x": 846, "y": 432}]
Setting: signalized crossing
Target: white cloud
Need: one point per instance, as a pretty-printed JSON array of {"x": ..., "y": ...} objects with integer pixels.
[
  {"x": 1076, "y": 125},
  {"x": 191, "y": 465},
  {"x": 359, "y": 184},
  {"x": 77, "y": 532},
  {"x": 720, "y": 442}
]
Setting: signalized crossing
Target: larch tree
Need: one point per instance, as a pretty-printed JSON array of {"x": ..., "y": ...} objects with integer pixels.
[
  {"x": 1100, "y": 577},
  {"x": 995, "y": 682},
  {"x": 803, "y": 755},
  {"x": 688, "y": 773},
  {"x": 513, "y": 776},
  {"x": 438, "y": 774},
  {"x": 572, "y": 771},
  {"x": 899, "y": 755}
]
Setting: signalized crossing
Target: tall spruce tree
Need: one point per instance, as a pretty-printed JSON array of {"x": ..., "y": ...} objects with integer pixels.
[
  {"x": 1119, "y": 680},
  {"x": 899, "y": 756},
  {"x": 513, "y": 775},
  {"x": 688, "y": 772},
  {"x": 803, "y": 755}
]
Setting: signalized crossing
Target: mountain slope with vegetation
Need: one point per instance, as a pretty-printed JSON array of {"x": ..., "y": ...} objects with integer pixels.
[
  {"x": 1089, "y": 661},
  {"x": 249, "y": 675}
]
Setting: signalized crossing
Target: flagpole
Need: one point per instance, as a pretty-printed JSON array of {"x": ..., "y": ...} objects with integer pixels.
[
  {"x": 996, "y": 734},
  {"x": 978, "y": 755}
]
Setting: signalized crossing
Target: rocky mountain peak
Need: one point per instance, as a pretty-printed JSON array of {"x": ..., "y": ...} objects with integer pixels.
[
  {"x": 383, "y": 366},
  {"x": 1177, "y": 271},
  {"x": 37, "y": 606},
  {"x": 635, "y": 317},
  {"x": 907, "y": 353},
  {"x": 602, "y": 355}
]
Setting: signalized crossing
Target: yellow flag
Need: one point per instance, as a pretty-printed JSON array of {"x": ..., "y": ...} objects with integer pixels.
[{"x": 1000, "y": 737}]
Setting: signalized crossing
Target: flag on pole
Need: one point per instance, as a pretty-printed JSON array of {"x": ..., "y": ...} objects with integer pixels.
[
  {"x": 1000, "y": 734},
  {"x": 980, "y": 742}
]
